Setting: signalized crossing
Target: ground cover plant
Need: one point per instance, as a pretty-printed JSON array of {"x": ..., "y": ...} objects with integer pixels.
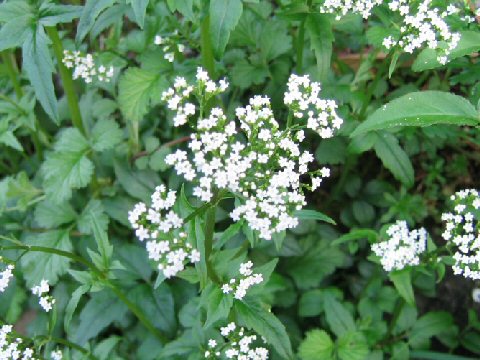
[{"x": 239, "y": 179}]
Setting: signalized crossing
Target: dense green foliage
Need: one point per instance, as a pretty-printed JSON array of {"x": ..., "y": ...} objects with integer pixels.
[{"x": 76, "y": 156}]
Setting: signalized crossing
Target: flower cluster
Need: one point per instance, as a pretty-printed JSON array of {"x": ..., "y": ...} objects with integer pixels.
[
  {"x": 46, "y": 301},
  {"x": 12, "y": 347},
  {"x": 302, "y": 98},
  {"x": 238, "y": 344},
  {"x": 56, "y": 355},
  {"x": 421, "y": 23},
  {"x": 461, "y": 230},
  {"x": 252, "y": 157},
  {"x": 240, "y": 286},
  {"x": 161, "y": 226},
  {"x": 5, "y": 277},
  {"x": 170, "y": 46},
  {"x": 343, "y": 7},
  {"x": 402, "y": 248},
  {"x": 84, "y": 67}
]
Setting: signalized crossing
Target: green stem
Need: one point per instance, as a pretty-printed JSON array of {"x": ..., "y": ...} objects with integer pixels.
[
  {"x": 207, "y": 50},
  {"x": 12, "y": 71},
  {"x": 67, "y": 81},
  {"x": 300, "y": 46},
  {"x": 289, "y": 118},
  {"x": 396, "y": 314},
  {"x": 133, "y": 308},
  {"x": 209, "y": 232}
]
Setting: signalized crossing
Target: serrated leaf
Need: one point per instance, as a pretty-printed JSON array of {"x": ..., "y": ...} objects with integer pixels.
[
  {"x": 13, "y": 33},
  {"x": 39, "y": 265},
  {"x": 352, "y": 346},
  {"x": 317, "y": 345},
  {"x": 274, "y": 40},
  {"x": 253, "y": 315},
  {"x": 338, "y": 317},
  {"x": 403, "y": 283},
  {"x": 245, "y": 74},
  {"x": 53, "y": 14},
  {"x": 100, "y": 311},
  {"x": 50, "y": 215},
  {"x": 224, "y": 16},
  {"x": 319, "y": 29},
  {"x": 90, "y": 12},
  {"x": 12, "y": 10},
  {"x": 139, "y": 9},
  {"x": 64, "y": 171},
  {"x": 394, "y": 158},
  {"x": 429, "y": 325},
  {"x": 105, "y": 135},
  {"x": 423, "y": 108},
  {"x": 72, "y": 305},
  {"x": 136, "y": 88},
  {"x": 218, "y": 305},
  {"x": 7, "y": 138},
  {"x": 38, "y": 66}
]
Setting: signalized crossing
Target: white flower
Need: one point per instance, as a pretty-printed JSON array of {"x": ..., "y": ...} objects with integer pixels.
[
  {"x": 84, "y": 67},
  {"x": 402, "y": 248},
  {"x": 476, "y": 295},
  {"x": 56, "y": 355},
  {"x": 167, "y": 243},
  {"x": 240, "y": 286},
  {"x": 5, "y": 277},
  {"x": 46, "y": 301},
  {"x": 461, "y": 230},
  {"x": 12, "y": 347}
]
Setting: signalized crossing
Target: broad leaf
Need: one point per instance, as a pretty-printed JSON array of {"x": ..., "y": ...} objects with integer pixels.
[
  {"x": 338, "y": 317},
  {"x": 313, "y": 215},
  {"x": 101, "y": 310},
  {"x": 317, "y": 346},
  {"x": 38, "y": 65},
  {"x": 422, "y": 108},
  {"x": 40, "y": 265},
  {"x": 319, "y": 29},
  {"x": 91, "y": 10},
  {"x": 218, "y": 305},
  {"x": 105, "y": 135},
  {"x": 14, "y": 33},
  {"x": 50, "y": 215},
  {"x": 224, "y": 16},
  {"x": 403, "y": 283},
  {"x": 139, "y": 9},
  {"x": 253, "y": 315},
  {"x": 394, "y": 158},
  {"x": 352, "y": 346},
  {"x": 52, "y": 14},
  {"x": 430, "y": 324}
]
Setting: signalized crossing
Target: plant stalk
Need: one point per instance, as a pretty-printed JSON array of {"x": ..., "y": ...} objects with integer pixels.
[
  {"x": 67, "y": 80},
  {"x": 209, "y": 232},
  {"x": 12, "y": 71},
  {"x": 206, "y": 46}
]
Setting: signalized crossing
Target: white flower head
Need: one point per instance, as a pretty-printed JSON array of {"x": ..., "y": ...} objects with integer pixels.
[
  {"x": 12, "y": 347},
  {"x": 5, "y": 277},
  {"x": 239, "y": 286},
  {"x": 45, "y": 300},
  {"x": 462, "y": 232},
  {"x": 84, "y": 67},
  {"x": 402, "y": 248}
]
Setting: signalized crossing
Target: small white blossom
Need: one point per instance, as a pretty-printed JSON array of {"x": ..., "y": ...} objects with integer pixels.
[
  {"x": 476, "y": 295},
  {"x": 167, "y": 243},
  {"x": 461, "y": 230},
  {"x": 56, "y": 355},
  {"x": 402, "y": 248},
  {"x": 84, "y": 67},
  {"x": 171, "y": 46},
  {"x": 5, "y": 277},
  {"x": 238, "y": 343},
  {"x": 12, "y": 347},
  {"x": 240, "y": 286},
  {"x": 46, "y": 301}
]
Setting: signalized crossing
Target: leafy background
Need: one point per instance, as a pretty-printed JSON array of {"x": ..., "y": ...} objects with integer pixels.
[{"x": 75, "y": 158}]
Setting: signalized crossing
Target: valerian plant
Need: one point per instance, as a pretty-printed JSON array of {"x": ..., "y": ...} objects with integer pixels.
[{"x": 239, "y": 179}]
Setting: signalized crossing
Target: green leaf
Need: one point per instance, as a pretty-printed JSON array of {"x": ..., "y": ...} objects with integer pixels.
[
  {"x": 52, "y": 14},
  {"x": 14, "y": 33},
  {"x": 310, "y": 303},
  {"x": 394, "y": 158},
  {"x": 331, "y": 151},
  {"x": 39, "y": 265},
  {"x": 317, "y": 346},
  {"x": 50, "y": 215},
  {"x": 21, "y": 191},
  {"x": 338, "y": 317},
  {"x": 90, "y": 12},
  {"x": 224, "y": 16},
  {"x": 313, "y": 215},
  {"x": 72, "y": 305},
  {"x": 158, "y": 304},
  {"x": 403, "y": 283},
  {"x": 423, "y": 108},
  {"x": 135, "y": 90},
  {"x": 64, "y": 171},
  {"x": 106, "y": 134},
  {"x": 319, "y": 29},
  {"x": 218, "y": 305},
  {"x": 245, "y": 74},
  {"x": 428, "y": 58},
  {"x": 12, "y": 10},
  {"x": 39, "y": 68},
  {"x": 352, "y": 346},
  {"x": 7, "y": 138},
  {"x": 432, "y": 355},
  {"x": 274, "y": 40},
  {"x": 431, "y": 324},
  {"x": 101, "y": 237},
  {"x": 93, "y": 215},
  {"x": 357, "y": 234},
  {"x": 100, "y": 311},
  {"x": 105, "y": 347},
  {"x": 254, "y": 316},
  {"x": 139, "y": 10}
]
